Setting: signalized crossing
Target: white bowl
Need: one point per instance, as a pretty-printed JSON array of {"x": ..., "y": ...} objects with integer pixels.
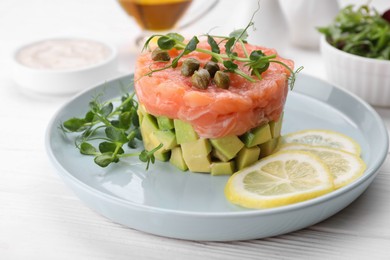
[
  {"x": 68, "y": 80},
  {"x": 366, "y": 77}
]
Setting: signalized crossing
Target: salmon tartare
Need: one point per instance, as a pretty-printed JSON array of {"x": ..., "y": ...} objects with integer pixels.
[{"x": 212, "y": 129}]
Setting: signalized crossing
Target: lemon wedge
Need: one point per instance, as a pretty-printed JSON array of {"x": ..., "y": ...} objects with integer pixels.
[
  {"x": 345, "y": 167},
  {"x": 282, "y": 178},
  {"x": 326, "y": 138}
]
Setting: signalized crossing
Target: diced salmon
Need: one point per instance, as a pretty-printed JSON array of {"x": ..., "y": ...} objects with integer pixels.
[{"x": 213, "y": 112}]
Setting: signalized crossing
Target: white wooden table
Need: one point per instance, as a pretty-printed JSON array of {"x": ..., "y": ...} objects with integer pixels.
[{"x": 40, "y": 218}]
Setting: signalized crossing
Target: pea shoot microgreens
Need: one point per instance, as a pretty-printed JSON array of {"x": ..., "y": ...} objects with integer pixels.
[
  {"x": 113, "y": 129},
  {"x": 256, "y": 61}
]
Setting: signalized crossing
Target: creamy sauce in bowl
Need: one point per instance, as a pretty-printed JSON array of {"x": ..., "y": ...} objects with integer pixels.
[
  {"x": 63, "y": 54},
  {"x": 63, "y": 65}
]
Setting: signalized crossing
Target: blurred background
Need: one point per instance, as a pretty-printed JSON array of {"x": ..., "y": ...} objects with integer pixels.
[{"x": 24, "y": 21}]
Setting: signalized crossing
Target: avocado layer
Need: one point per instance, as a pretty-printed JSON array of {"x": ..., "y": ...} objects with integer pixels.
[{"x": 185, "y": 150}]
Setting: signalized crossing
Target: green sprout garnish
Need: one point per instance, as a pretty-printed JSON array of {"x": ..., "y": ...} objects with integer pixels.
[
  {"x": 112, "y": 128},
  {"x": 256, "y": 61}
]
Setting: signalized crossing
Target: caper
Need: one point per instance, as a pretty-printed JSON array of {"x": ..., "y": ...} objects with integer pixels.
[
  {"x": 211, "y": 67},
  {"x": 222, "y": 80},
  {"x": 160, "y": 55},
  {"x": 189, "y": 66},
  {"x": 200, "y": 79}
]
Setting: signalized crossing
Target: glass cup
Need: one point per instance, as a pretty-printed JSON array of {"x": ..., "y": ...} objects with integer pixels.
[{"x": 155, "y": 16}]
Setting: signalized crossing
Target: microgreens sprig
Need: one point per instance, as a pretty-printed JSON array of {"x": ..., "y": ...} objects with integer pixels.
[
  {"x": 256, "y": 61},
  {"x": 112, "y": 128}
]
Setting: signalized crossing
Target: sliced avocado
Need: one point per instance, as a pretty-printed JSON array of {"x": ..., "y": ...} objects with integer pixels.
[
  {"x": 149, "y": 129},
  {"x": 196, "y": 155},
  {"x": 218, "y": 155},
  {"x": 142, "y": 109},
  {"x": 152, "y": 142},
  {"x": 257, "y": 136},
  {"x": 269, "y": 147},
  {"x": 149, "y": 123},
  {"x": 228, "y": 146},
  {"x": 222, "y": 168},
  {"x": 165, "y": 123},
  {"x": 141, "y": 112},
  {"x": 247, "y": 156},
  {"x": 166, "y": 137},
  {"x": 148, "y": 126},
  {"x": 177, "y": 159},
  {"x": 184, "y": 132},
  {"x": 276, "y": 127},
  {"x": 140, "y": 116},
  {"x": 162, "y": 155}
]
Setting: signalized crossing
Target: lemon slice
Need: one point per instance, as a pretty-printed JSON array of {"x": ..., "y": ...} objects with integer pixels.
[
  {"x": 324, "y": 138},
  {"x": 283, "y": 178},
  {"x": 345, "y": 167}
]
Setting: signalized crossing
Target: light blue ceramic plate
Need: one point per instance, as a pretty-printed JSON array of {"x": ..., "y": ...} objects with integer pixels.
[{"x": 168, "y": 202}]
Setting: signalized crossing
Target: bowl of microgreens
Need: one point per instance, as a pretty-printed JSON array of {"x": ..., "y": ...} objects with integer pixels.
[{"x": 356, "y": 52}]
